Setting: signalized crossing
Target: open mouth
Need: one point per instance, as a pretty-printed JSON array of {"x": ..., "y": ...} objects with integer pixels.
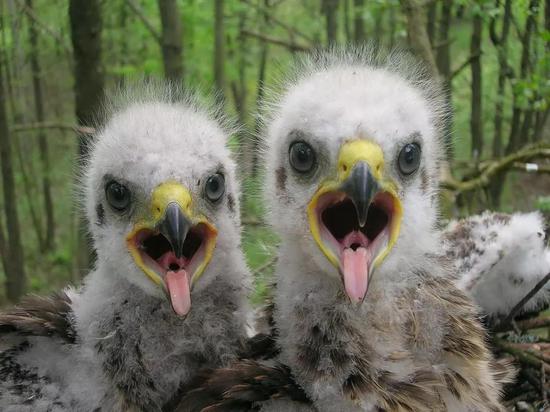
[
  {"x": 157, "y": 257},
  {"x": 159, "y": 254},
  {"x": 355, "y": 249}
]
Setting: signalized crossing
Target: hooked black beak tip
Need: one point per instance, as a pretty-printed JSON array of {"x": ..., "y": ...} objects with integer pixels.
[
  {"x": 175, "y": 226},
  {"x": 361, "y": 187}
]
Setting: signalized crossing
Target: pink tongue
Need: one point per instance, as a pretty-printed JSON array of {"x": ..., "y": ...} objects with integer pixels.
[
  {"x": 178, "y": 288},
  {"x": 355, "y": 267}
]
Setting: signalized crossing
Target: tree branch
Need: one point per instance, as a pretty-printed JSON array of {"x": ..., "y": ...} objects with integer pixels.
[
  {"x": 4, "y": 254},
  {"x": 520, "y": 355},
  {"x": 516, "y": 309},
  {"x": 52, "y": 125},
  {"x": 493, "y": 168},
  {"x": 441, "y": 44},
  {"x": 267, "y": 264},
  {"x": 148, "y": 25},
  {"x": 253, "y": 222},
  {"x": 528, "y": 324},
  {"x": 278, "y": 22},
  {"x": 531, "y": 167},
  {"x": 274, "y": 40},
  {"x": 465, "y": 64}
]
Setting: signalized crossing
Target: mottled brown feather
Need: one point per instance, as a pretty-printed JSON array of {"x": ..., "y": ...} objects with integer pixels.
[
  {"x": 239, "y": 387},
  {"x": 41, "y": 316}
]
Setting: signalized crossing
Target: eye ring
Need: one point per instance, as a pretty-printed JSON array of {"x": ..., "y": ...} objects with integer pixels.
[
  {"x": 302, "y": 157},
  {"x": 409, "y": 158},
  {"x": 118, "y": 196},
  {"x": 214, "y": 188}
]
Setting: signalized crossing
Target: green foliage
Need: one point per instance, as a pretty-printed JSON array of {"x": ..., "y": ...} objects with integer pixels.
[{"x": 543, "y": 204}]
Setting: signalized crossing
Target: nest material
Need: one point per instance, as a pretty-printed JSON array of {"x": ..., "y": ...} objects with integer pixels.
[{"x": 527, "y": 341}]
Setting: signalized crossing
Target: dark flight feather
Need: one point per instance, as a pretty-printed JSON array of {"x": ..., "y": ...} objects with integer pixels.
[
  {"x": 239, "y": 387},
  {"x": 41, "y": 316}
]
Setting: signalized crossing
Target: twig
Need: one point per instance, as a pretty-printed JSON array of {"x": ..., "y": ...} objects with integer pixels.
[
  {"x": 263, "y": 267},
  {"x": 524, "y": 396},
  {"x": 253, "y": 222},
  {"x": 543, "y": 384},
  {"x": 52, "y": 125},
  {"x": 521, "y": 356},
  {"x": 515, "y": 310},
  {"x": 141, "y": 15},
  {"x": 538, "y": 355},
  {"x": 440, "y": 44},
  {"x": 465, "y": 64},
  {"x": 531, "y": 377},
  {"x": 274, "y": 40},
  {"x": 278, "y": 22},
  {"x": 528, "y": 324}
]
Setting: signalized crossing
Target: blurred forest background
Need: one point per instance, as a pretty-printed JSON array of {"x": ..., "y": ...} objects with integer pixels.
[{"x": 58, "y": 56}]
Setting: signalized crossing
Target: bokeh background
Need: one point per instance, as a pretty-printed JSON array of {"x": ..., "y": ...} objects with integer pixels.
[{"x": 57, "y": 58}]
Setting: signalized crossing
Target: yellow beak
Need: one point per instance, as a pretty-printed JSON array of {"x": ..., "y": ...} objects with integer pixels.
[
  {"x": 359, "y": 184},
  {"x": 171, "y": 220}
]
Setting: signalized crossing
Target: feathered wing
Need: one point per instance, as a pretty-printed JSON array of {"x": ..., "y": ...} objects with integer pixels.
[
  {"x": 499, "y": 258},
  {"x": 239, "y": 387},
  {"x": 41, "y": 316},
  {"x": 37, "y": 334},
  {"x": 468, "y": 374}
]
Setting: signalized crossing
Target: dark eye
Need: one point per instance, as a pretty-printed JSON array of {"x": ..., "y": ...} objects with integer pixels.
[
  {"x": 118, "y": 196},
  {"x": 409, "y": 158},
  {"x": 302, "y": 157},
  {"x": 215, "y": 187}
]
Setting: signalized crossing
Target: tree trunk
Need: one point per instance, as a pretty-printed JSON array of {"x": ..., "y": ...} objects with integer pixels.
[
  {"x": 219, "y": 50},
  {"x": 358, "y": 21},
  {"x": 4, "y": 252},
  {"x": 347, "y": 27},
  {"x": 47, "y": 243},
  {"x": 86, "y": 26},
  {"x": 330, "y": 10},
  {"x": 123, "y": 55},
  {"x": 501, "y": 43},
  {"x": 430, "y": 25},
  {"x": 239, "y": 87},
  {"x": 17, "y": 60},
  {"x": 476, "y": 123},
  {"x": 30, "y": 190},
  {"x": 378, "y": 27},
  {"x": 15, "y": 272},
  {"x": 444, "y": 45},
  {"x": 260, "y": 90},
  {"x": 542, "y": 117},
  {"x": 171, "y": 40},
  {"x": 515, "y": 139},
  {"x": 526, "y": 62},
  {"x": 392, "y": 23},
  {"x": 417, "y": 35},
  {"x": 239, "y": 91},
  {"x": 443, "y": 61},
  {"x": 5, "y": 56}
]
